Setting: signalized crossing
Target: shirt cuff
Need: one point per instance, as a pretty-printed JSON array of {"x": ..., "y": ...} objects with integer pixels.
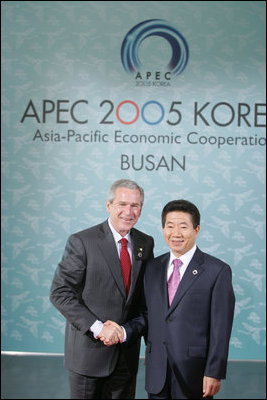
[
  {"x": 96, "y": 328},
  {"x": 124, "y": 335}
]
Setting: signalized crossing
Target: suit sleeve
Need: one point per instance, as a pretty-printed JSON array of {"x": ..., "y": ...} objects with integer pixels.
[
  {"x": 67, "y": 285},
  {"x": 222, "y": 312},
  {"x": 137, "y": 327}
]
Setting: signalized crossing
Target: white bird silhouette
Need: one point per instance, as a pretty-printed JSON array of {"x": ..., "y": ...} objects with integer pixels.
[
  {"x": 256, "y": 226},
  {"x": 252, "y": 331},
  {"x": 243, "y": 305},
  {"x": 32, "y": 326},
  {"x": 255, "y": 279}
]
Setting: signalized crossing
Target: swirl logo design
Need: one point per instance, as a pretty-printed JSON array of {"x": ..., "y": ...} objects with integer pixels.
[{"x": 154, "y": 27}]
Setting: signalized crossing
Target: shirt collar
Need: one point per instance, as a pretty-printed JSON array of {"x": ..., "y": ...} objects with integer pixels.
[
  {"x": 117, "y": 236},
  {"x": 185, "y": 258}
]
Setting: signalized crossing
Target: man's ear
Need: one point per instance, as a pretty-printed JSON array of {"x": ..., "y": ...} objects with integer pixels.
[{"x": 108, "y": 205}]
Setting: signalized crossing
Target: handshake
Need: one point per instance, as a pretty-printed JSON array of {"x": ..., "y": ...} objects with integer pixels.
[{"x": 111, "y": 333}]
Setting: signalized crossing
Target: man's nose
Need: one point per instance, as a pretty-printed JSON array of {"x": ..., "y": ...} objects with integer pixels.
[
  {"x": 128, "y": 209},
  {"x": 177, "y": 231}
]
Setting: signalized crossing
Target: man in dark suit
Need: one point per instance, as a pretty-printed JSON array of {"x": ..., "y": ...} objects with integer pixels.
[
  {"x": 90, "y": 287},
  {"x": 188, "y": 314}
]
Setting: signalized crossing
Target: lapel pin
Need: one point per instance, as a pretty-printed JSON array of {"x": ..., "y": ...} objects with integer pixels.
[
  {"x": 140, "y": 254},
  {"x": 194, "y": 272}
]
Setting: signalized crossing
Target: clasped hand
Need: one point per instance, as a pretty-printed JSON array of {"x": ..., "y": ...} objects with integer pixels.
[{"x": 111, "y": 333}]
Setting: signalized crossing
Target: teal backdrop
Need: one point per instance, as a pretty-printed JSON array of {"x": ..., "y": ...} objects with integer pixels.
[{"x": 77, "y": 116}]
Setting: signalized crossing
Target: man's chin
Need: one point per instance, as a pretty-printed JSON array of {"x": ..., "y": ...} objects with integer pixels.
[{"x": 127, "y": 226}]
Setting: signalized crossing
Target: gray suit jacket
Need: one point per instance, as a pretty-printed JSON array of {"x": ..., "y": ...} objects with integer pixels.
[{"x": 88, "y": 286}]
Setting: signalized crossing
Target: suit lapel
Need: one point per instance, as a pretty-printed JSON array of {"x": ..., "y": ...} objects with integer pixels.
[
  {"x": 109, "y": 251},
  {"x": 192, "y": 273},
  {"x": 138, "y": 248}
]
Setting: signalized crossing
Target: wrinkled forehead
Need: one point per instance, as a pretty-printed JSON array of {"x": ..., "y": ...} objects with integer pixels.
[{"x": 129, "y": 196}]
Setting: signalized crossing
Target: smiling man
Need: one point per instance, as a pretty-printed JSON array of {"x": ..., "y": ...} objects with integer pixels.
[
  {"x": 188, "y": 313},
  {"x": 99, "y": 278}
]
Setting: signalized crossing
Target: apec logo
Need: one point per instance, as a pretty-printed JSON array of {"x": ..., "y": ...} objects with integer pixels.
[{"x": 130, "y": 53}]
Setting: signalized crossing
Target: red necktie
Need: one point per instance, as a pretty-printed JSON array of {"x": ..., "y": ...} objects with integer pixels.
[
  {"x": 125, "y": 265},
  {"x": 174, "y": 279}
]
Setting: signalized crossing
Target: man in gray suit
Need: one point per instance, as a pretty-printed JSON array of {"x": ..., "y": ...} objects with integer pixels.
[{"x": 89, "y": 287}]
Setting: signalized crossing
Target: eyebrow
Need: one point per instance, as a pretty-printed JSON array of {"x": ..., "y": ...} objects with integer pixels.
[
  {"x": 132, "y": 204},
  {"x": 179, "y": 223}
]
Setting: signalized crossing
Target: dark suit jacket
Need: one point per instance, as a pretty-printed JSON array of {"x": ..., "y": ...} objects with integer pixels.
[
  {"x": 193, "y": 334},
  {"x": 88, "y": 286}
]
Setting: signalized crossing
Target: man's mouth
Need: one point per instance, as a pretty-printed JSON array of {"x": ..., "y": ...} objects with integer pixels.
[{"x": 177, "y": 242}]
